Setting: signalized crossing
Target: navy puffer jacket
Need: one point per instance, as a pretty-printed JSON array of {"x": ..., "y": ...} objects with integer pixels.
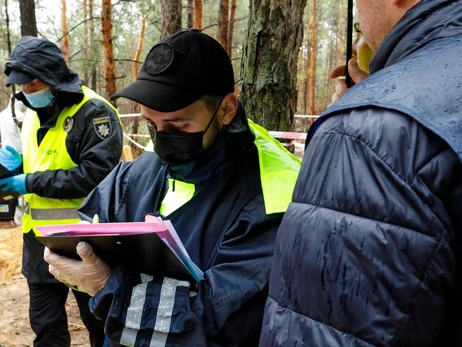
[{"x": 368, "y": 253}]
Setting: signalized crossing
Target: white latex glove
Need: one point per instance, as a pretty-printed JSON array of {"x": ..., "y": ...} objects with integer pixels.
[{"x": 89, "y": 275}]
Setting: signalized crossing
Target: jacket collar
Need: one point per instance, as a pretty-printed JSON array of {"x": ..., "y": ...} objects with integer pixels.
[{"x": 423, "y": 23}]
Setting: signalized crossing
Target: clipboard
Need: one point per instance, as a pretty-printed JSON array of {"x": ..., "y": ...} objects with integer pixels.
[
  {"x": 144, "y": 253},
  {"x": 149, "y": 247}
]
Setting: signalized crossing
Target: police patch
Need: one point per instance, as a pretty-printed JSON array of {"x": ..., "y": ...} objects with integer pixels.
[
  {"x": 102, "y": 127},
  {"x": 68, "y": 124},
  {"x": 159, "y": 59}
]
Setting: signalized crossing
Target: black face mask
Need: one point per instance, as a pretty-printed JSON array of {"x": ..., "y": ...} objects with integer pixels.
[{"x": 178, "y": 148}]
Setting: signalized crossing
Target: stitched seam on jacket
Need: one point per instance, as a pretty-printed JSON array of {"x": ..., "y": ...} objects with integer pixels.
[
  {"x": 408, "y": 184},
  {"x": 420, "y": 195},
  {"x": 420, "y": 277},
  {"x": 417, "y": 290},
  {"x": 322, "y": 323}
]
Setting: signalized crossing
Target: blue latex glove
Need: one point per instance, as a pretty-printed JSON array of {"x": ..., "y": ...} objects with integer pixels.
[
  {"x": 10, "y": 158},
  {"x": 14, "y": 184}
]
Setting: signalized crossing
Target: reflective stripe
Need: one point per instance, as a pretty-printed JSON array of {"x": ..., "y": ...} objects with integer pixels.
[
  {"x": 135, "y": 312},
  {"x": 165, "y": 310},
  {"x": 53, "y": 214}
]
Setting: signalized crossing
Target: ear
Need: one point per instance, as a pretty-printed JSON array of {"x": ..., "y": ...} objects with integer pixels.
[{"x": 229, "y": 107}]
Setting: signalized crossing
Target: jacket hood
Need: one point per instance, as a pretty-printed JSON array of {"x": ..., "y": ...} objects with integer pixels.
[
  {"x": 425, "y": 22},
  {"x": 43, "y": 60}
]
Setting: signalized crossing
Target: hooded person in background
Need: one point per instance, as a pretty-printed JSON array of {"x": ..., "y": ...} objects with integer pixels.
[
  {"x": 369, "y": 252},
  {"x": 71, "y": 139},
  {"x": 221, "y": 180}
]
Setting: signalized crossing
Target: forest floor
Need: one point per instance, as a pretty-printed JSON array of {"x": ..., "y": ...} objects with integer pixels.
[{"x": 15, "y": 329}]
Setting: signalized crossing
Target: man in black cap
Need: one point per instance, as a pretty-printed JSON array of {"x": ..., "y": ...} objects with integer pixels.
[
  {"x": 221, "y": 180},
  {"x": 71, "y": 139}
]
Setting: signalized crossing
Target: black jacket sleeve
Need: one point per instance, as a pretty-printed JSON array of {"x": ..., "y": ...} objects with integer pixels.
[
  {"x": 225, "y": 308},
  {"x": 94, "y": 155}
]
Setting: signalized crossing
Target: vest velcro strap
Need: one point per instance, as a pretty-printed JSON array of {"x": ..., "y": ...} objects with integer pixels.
[{"x": 53, "y": 214}]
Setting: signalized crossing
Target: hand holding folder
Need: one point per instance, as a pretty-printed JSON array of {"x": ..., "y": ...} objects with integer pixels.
[
  {"x": 88, "y": 275},
  {"x": 151, "y": 247}
]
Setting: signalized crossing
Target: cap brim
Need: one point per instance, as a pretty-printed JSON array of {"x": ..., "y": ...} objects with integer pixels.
[
  {"x": 158, "y": 96},
  {"x": 18, "y": 77}
]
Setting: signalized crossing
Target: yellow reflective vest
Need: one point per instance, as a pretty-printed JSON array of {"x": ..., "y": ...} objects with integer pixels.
[
  {"x": 51, "y": 154},
  {"x": 278, "y": 173}
]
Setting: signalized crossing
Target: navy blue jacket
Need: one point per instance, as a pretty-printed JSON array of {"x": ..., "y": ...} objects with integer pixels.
[
  {"x": 368, "y": 252},
  {"x": 225, "y": 230}
]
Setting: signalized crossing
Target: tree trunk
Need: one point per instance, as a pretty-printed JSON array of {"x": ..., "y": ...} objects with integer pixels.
[
  {"x": 65, "y": 43},
  {"x": 85, "y": 40},
  {"x": 340, "y": 35},
  {"x": 139, "y": 48},
  {"x": 223, "y": 22},
  {"x": 232, "y": 17},
  {"x": 190, "y": 14},
  {"x": 306, "y": 79},
  {"x": 92, "y": 37},
  {"x": 171, "y": 17},
  {"x": 269, "y": 64},
  {"x": 313, "y": 60},
  {"x": 198, "y": 15},
  {"x": 27, "y": 14},
  {"x": 8, "y": 42},
  {"x": 108, "y": 49}
]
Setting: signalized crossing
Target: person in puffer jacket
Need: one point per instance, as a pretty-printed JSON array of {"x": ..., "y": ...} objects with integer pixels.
[{"x": 368, "y": 252}]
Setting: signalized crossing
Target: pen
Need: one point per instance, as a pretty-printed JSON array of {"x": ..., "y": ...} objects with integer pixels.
[{"x": 95, "y": 219}]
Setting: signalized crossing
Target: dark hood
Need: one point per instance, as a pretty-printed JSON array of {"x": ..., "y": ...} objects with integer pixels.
[
  {"x": 44, "y": 60},
  {"x": 425, "y": 22}
]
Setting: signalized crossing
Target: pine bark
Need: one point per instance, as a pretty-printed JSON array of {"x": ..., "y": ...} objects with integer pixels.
[
  {"x": 313, "y": 59},
  {"x": 28, "y": 20},
  {"x": 65, "y": 41},
  {"x": 223, "y": 22},
  {"x": 139, "y": 48},
  {"x": 171, "y": 17},
  {"x": 190, "y": 15},
  {"x": 92, "y": 36},
  {"x": 198, "y": 14},
  {"x": 269, "y": 65},
  {"x": 341, "y": 29},
  {"x": 232, "y": 18},
  {"x": 108, "y": 49}
]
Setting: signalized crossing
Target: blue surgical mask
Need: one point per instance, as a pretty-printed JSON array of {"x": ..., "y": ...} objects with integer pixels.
[{"x": 41, "y": 98}]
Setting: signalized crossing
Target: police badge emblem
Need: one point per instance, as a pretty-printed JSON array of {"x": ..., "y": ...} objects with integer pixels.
[
  {"x": 102, "y": 127},
  {"x": 68, "y": 124},
  {"x": 159, "y": 59}
]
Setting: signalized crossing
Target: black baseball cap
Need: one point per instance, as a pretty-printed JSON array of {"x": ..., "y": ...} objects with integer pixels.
[
  {"x": 18, "y": 77},
  {"x": 179, "y": 70}
]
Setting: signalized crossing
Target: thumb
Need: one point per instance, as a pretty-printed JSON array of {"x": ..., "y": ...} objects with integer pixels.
[{"x": 85, "y": 251}]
